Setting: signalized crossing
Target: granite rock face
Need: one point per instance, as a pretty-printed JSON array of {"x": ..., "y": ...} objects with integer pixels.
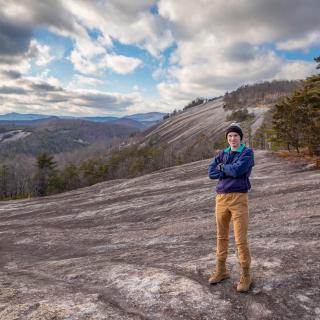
[
  {"x": 143, "y": 249},
  {"x": 210, "y": 119}
]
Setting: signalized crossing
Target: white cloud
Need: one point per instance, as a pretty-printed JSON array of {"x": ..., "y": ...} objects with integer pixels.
[
  {"x": 292, "y": 70},
  {"x": 130, "y": 22},
  {"x": 75, "y": 19},
  {"x": 80, "y": 81},
  {"x": 120, "y": 64},
  {"x": 159, "y": 73},
  {"x": 302, "y": 43},
  {"x": 83, "y": 64},
  {"x": 20, "y": 64},
  {"x": 43, "y": 94},
  {"x": 242, "y": 21},
  {"x": 144, "y": 104},
  {"x": 36, "y": 95},
  {"x": 98, "y": 64},
  {"x": 40, "y": 52},
  {"x": 45, "y": 77}
]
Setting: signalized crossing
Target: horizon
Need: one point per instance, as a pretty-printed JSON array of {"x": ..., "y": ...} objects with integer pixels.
[
  {"x": 111, "y": 58},
  {"x": 63, "y": 116},
  {"x": 92, "y": 116}
]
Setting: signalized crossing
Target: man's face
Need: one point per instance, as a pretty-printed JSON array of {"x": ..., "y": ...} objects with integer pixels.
[{"x": 233, "y": 140}]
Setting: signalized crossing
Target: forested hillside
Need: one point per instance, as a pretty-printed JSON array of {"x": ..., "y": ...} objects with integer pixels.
[
  {"x": 56, "y": 135},
  {"x": 260, "y": 94}
]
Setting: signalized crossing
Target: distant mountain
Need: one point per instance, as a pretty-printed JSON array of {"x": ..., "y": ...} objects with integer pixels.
[
  {"x": 150, "y": 116},
  {"x": 28, "y": 122},
  {"x": 147, "y": 119},
  {"x": 142, "y": 120},
  {"x": 14, "y": 116},
  {"x": 100, "y": 119},
  {"x": 131, "y": 123}
]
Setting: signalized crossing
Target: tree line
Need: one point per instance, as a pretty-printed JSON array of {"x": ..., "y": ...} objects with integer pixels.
[
  {"x": 260, "y": 93},
  {"x": 45, "y": 177}
]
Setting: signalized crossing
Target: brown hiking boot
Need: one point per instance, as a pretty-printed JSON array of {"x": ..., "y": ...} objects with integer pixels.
[
  {"x": 220, "y": 273},
  {"x": 245, "y": 280}
]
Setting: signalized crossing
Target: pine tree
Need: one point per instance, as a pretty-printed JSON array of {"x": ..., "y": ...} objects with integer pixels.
[
  {"x": 45, "y": 165},
  {"x": 4, "y": 173},
  {"x": 282, "y": 120},
  {"x": 71, "y": 177},
  {"x": 309, "y": 99},
  {"x": 296, "y": 120}
]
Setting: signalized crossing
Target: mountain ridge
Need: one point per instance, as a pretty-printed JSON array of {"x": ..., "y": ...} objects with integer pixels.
[{"x": 146, "y": 117}]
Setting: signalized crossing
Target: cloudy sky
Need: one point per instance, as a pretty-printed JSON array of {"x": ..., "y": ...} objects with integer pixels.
[{"x": 117, "y": 57}]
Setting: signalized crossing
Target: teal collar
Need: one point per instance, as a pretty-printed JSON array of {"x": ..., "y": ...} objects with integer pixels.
[{"x": 240, "y": 149}]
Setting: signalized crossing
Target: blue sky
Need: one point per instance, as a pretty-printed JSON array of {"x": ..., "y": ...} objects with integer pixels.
[{"x": 118, "y": 57}]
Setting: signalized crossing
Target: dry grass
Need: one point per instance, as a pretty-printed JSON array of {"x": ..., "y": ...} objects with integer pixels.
[{"x": 303, "y": 155}]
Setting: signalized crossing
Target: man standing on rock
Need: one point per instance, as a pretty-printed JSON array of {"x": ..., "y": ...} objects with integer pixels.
[{"x": 232, "y": 166}]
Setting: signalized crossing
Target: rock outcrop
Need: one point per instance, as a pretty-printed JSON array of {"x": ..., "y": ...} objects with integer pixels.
[
  {"x": 144, "y": 248},
  {"x": 209, "y": 118}
]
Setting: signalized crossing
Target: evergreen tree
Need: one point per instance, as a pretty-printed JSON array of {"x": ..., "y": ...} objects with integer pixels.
[
  {"x": 296, "y": 120},
  {"x": 45, "y": 166},
  {"x": 4, "y": 174},
  {"x": 71, "y": 177},
  {"x": 308, "y": 99},
  {"x": 56, "y": 182},
  {"x": 287, "y": 123}
]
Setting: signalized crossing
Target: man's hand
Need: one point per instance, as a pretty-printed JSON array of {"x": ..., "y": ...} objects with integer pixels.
[{"x": 218, "y": 167}]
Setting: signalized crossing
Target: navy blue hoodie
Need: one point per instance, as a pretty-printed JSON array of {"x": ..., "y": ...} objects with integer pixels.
[{"x": 235, "y": 170}]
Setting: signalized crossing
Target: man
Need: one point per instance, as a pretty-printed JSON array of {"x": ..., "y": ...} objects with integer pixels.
[{"x": 232, "y": 166}]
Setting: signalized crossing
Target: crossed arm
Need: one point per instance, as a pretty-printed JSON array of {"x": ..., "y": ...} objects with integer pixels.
[
  {"x": 213, "y": 171},
  {"x": 236, "y": 169}
]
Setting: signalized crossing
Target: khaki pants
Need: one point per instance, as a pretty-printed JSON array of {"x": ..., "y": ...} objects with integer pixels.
[{"x": 233, "y": 206}]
